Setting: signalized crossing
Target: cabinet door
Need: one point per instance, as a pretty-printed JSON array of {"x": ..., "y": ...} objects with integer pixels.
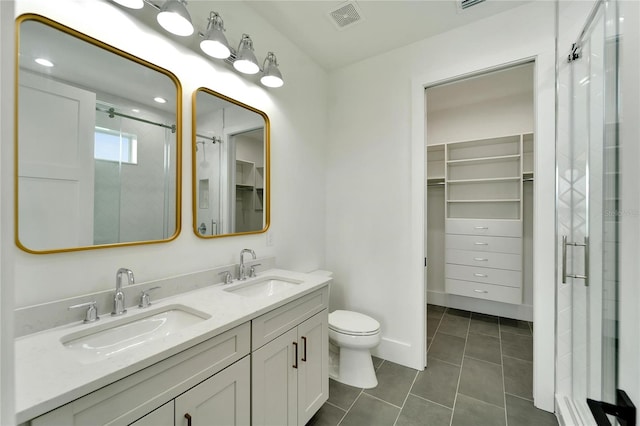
[
  {"x": 313, "y": 374},
  {"x": 223, "y": 399},
  {"x": 274, "y": 386},
  {"x": 162, "y": 416}
]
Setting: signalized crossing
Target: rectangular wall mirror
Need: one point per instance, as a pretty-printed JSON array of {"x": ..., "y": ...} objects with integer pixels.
[
  {"x": 230, "y": 166},
  {"x": 97, "y": 143}
]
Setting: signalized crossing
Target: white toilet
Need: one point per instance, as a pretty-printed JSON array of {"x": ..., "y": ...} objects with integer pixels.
[{"x": 354, "y": 334}]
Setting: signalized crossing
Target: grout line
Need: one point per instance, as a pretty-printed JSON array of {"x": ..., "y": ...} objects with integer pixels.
[
  {"x": 350, "y": 407},
  {"x": 382, "y": 400},
  {"x": 455, "y": 399},
  {"x": 433, "y": 402},
  {"x": 519, "y": 359},
  {"x": 518, "y": 396},
  {"x": 483, "y": 402},
  {"x": 405, "y": 398},
  {"x": 483, "y": 360},
  {"x": 438, "y": 359},
  {"x": 378, "y": 367},
  {"x": 334, "y": 405},
  {"x": 504, "y": 390}
]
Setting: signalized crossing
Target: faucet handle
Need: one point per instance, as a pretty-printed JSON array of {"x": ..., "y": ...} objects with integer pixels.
[
  {"x": 227, "y": 277},
  {"x": 92, "y": 312},
  {"x": 252, "y": 270},
  {"x": 145, "y": 298}
]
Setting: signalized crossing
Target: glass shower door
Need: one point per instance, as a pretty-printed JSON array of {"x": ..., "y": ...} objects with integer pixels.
[{"x": 591, "y": 261}]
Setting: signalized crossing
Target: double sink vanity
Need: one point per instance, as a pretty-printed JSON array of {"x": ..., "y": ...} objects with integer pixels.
[{"x": 250, "y": 352}]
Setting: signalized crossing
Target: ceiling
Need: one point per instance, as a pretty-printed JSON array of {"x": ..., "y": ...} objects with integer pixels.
[{"x": 385, "y": 25}]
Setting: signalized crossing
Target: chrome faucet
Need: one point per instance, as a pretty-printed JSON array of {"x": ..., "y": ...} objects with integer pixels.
[
  {"x": 242, "y": 274},
  {"x": 118, "y": 298}
]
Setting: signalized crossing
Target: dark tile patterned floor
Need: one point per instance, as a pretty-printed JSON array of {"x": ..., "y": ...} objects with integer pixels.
[{"x": 480, "y": 373}]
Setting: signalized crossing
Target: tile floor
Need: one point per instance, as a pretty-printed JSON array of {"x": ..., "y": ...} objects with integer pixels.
[{"x": 480, "y": 373}]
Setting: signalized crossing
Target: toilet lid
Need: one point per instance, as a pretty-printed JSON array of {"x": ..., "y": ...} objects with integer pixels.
[{"x": 349, "y": 322}]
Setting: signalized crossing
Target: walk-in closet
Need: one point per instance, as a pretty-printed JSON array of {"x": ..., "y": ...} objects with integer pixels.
[{"x": 479, "y": 190}]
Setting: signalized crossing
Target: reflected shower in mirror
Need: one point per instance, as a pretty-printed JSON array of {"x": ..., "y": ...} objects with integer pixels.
[
  {"x": 231, "y": 164},
  {"x": 98, "y": 143}
]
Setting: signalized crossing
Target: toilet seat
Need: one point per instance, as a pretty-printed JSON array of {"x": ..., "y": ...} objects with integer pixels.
[{"x": 353, "y": 323}]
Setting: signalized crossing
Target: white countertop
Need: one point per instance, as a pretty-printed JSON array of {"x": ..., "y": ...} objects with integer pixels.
[{"x": 48, "y": 375}]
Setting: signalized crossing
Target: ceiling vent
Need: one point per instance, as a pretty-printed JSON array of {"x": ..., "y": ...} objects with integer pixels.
[
  {"x": 346, "y": 15},
  {"x": 465, "y": 4}
]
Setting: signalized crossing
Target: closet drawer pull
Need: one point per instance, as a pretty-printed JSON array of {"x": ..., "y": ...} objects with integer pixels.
[
  {"x": 480, "y": 259},
  {"x": 481, "y": 275},
  {"x": 480, "y": 291},
  {"x": 480, "y": 227},
  {"x": 481, "y": 244}
]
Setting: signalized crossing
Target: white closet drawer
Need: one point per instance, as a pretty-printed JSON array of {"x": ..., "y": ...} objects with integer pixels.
[
  {"x": 499, "y": 228},
  {"x": 482, "y": 243},
  {"x": 484, "y": 291},
  {"x": 484, "y": 275},
  {"x": 485, "y": 259}
]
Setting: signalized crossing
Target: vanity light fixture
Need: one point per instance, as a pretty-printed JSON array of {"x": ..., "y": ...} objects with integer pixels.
[
  {"x": 44, "y": 62},
  {"x": 215, "y": 44},
  {"x": 131, "y": 4},
  {"x": 271, "y": 75},
  {"x": 160, "y": 100},
  {"x": 174, "y": 17},
  {"x": 245, "y": 60}
]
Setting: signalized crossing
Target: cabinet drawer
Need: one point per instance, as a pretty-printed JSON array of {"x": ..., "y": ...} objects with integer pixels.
[
  {"x": 484, "y": 291},
  {"x": 126, "y": 400},
  {"x": 483, "y": 243},
  {"x": 485, "y": 259},
  {"x": 498, "y": 228},
  {"x": 272, "y": 324},
  {"x": 484, "y": 275}
]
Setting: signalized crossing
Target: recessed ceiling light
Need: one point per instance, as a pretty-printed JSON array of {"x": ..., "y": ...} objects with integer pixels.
[
  {"x": 160, "y": 100},
  {"x": 44, "y": 62}
]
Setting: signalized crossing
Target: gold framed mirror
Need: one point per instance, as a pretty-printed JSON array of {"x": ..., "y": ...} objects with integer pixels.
[
  {"x": 230, "y": 166},
  {"x": 98, "y": 143}
]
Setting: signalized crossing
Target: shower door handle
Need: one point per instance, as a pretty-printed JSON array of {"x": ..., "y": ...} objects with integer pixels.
[{"x": 584, "y": 277}]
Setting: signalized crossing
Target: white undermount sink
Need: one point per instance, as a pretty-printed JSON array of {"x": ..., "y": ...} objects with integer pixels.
[
  {"x": 97, "y": 343},
  {"x": 263, "y": 287}
]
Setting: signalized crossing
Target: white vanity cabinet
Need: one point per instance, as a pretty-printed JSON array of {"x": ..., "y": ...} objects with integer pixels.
[
  {"x": 210, "y": 377},
  {"x": 289, "y": 362}
]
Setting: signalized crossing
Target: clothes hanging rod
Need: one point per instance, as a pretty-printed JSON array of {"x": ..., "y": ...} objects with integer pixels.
[
  {"x": 527, "y": 180},
  {"x": 112, "y": 112},
  {"x": 214, "y": 139},
  {"x": 436, "y": 184}
]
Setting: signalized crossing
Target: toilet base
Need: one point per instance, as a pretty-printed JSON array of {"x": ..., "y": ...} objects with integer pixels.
[{"x": 354, "y": 368}]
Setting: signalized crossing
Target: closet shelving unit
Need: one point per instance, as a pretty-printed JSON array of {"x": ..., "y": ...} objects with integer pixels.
[{"x": 483, "y": 213}]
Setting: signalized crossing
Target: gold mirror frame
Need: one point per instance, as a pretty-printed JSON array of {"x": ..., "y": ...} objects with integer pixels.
[
  {"x": 178, "y": 133},
  {"x": 267, "y": 164}
]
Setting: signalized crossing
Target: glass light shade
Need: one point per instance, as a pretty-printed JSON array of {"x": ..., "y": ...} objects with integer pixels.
[
  {"x": 174, "y": 17},
  {"x": 271, "y": 77},
  {"x": 131, "y": 4},
  {"x": 246, "y": 61}
]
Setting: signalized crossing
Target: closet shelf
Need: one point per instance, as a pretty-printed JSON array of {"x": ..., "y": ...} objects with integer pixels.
[
  {"x": 500, "y": 179},
  {"x": 503, "y": 200},
  {"x": 484, "y": 159}
]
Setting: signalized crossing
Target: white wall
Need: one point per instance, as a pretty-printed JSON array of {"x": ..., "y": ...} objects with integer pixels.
[
  {"x": 297, "y": 150},
  {"x": 374, "y": 202},
  {"x": 6, "y": 212}
]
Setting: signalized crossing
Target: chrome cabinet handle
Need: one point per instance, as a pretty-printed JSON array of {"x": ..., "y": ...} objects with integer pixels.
[
  {"x": 481, "y": 275},
  {"x": 480, "y": 227},
  {"x": 480, "y": 291},
  {"x": 480, "y": 259},
  {"x": 481, "y": 244}
]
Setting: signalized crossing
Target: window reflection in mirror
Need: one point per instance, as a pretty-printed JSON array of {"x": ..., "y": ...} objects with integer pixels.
[
  {"x": 231, "y": 166},
  {"x": 98, "y": 157}
]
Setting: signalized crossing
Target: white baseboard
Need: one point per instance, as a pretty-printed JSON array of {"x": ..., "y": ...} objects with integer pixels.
[
  {"x": 507, "y": 310},
  {"x": 396, "y": 351}
]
